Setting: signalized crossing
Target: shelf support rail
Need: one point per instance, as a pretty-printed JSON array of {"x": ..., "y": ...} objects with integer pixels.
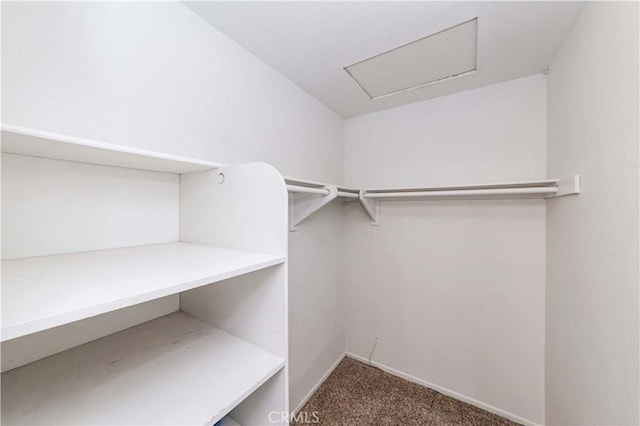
[
  {"x": 371, "y": 206},
  {"x": 546, "y": 190},
  {"x": 568, "y": 186},
  {"x": 551, "y": 188},
  {"x": 301, "y": 208}
]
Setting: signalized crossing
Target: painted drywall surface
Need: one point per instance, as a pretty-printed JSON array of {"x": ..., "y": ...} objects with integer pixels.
[
  {"x": 453, "y": 290},
  {"x": 483, "y": 135},
  {"x": 156, "y": 76},
  {"x": 316, "y": 292},
  {"x": 54, "y": 207},
  {"x": 592, "y": 239}
]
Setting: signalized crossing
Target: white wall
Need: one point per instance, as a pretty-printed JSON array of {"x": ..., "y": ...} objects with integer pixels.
[
  {"x": 482, "y": 135},
  {"x": 156, "y": 76},
  {"x": 454, "y": 290},
  {"x": 592, "y": 240},
  {"x": 316, "y": 292},
  {"x": 64, "y": 207}
]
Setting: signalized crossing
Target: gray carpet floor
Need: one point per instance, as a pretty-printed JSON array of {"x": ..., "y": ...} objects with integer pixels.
[{"x": 358, "y": 394}]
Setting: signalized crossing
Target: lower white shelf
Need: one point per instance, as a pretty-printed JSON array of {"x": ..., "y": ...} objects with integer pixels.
[{"x": 172, "y": 370}]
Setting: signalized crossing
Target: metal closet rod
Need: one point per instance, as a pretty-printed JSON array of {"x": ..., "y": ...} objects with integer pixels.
[
  {"x": 550, "y": 190},
  {"x": 545, "y": 188},
  {"x": 462, "y": 193},
  {"x": 320, "y": 191},
  {"x": 347, "y": 194},
  {"x": 307, "y": 190}
]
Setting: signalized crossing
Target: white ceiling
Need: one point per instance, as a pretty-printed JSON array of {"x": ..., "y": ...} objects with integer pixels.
[{"x": 311, "y": 42}]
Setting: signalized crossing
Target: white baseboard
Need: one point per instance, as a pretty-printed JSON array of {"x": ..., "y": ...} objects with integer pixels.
[
  {"x": 445, "y": 391},
  {"x": 317, "y": 385}
]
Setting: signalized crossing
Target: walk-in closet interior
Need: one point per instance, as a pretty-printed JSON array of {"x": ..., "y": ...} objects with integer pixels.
[{"x": 334, "y": 213}]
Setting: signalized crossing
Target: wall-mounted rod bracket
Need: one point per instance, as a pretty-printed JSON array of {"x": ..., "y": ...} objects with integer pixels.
[
  {"x": 303, "y": 203},
  {"x": 372, "y": 207},
  {"x": 568, "y": 186}
]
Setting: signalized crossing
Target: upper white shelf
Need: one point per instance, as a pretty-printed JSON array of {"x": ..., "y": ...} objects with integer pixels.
[
  {"x": 39, "y": 293},
  {"x": 169, "y": 371},
  {"x": 36, "y": 143}
]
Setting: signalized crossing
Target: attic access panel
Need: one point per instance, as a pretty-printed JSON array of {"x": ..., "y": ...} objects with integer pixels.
[{"x": 447, "y": 54}]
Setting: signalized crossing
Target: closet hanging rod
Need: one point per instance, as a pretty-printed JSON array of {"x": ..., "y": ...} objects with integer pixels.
[
  {"x": 312, "y": 183},
  {"x": 307, "y": 190},
  {"x": 463, "y": 193},
  {"x": 371, "y": 199},
  {"x": 321, "y": 191},
  {"x": 347, "y": 194}
]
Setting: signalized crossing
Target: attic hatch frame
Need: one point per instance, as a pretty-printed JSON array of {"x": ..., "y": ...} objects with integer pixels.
[{"x": 453, "y": 75}]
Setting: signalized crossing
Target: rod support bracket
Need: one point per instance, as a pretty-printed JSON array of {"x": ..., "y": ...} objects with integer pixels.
[
  {"x": 372, "y": 207},
  {"x": 304, "y": 205},
  {"x": 570, "y": 185}
]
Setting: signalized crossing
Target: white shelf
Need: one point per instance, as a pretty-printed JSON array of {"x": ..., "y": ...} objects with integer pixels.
[
  {"x": 37, "y": 143},
  {"x": 39, "y": 293},
  {"x": 172, "y": 370}
]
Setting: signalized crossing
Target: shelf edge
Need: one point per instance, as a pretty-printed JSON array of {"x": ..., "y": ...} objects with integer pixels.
[{"x": 80, "y": 150}]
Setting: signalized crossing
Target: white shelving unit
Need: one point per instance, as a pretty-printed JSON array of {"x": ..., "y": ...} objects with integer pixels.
[
  {"x": 48, "y": 291},
  {"x": 175, "y": 333},
  {"x": 172, "y": 370}
]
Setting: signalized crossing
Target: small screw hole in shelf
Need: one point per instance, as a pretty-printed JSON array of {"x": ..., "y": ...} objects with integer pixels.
[{"x": 220, "y": 177}]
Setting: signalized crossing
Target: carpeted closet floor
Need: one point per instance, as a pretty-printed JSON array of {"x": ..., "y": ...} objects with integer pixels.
[{"x": 358, "y": 394}]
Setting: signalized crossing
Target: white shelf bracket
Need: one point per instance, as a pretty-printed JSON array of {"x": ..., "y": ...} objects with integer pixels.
[
  {"x": 372, "y": 208},
  {"x": 301, "y": 206},
  {"x": 568, "y": 186}
]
